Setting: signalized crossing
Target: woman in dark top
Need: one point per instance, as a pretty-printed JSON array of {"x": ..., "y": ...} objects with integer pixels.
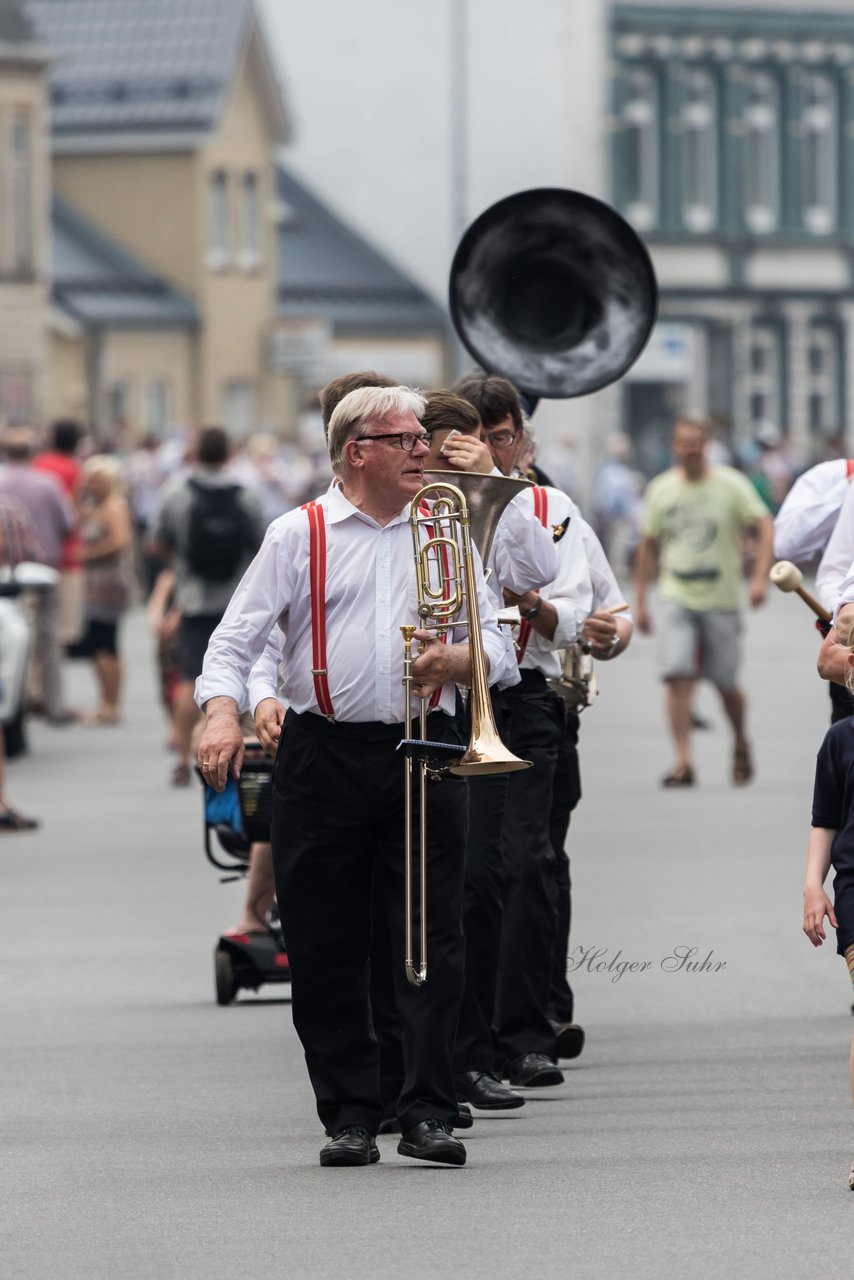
[{"x": 831, "y": 844}]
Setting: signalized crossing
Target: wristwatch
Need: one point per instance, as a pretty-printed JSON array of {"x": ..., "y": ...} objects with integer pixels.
[{"x": 530, "y": 614}]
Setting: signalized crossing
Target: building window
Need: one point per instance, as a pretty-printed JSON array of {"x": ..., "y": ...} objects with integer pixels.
[
  {"x": 16, "y": 396},
  {"x": 640, "y": 131},
  {"x": 699, "y": 151},
  {"x": 22, "y": 191},
  {"x": 818, "y": 144},
  {"x": 764, "y": 368},
  {"x": 822, "y": 379},
  {"x": 156, "y": 406},
  {"x": 220, "y": 241},
  {"x": 239, "y": 409},
  {"x": 250, "y": 221},
  {"x": 762, "y": 154},
  {"x": 119, "y": 398}
]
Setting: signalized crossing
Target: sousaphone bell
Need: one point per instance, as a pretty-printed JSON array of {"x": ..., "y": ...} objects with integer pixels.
[{"x": 553, "y": 290}]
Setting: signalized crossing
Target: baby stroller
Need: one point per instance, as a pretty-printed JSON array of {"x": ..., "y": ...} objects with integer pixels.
[{"x": 234, "y": 820}]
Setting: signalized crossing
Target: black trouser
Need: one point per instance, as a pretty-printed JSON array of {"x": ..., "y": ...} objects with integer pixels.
[
  {"x": 566, "y": 795},
  {"x": 841, "y": 703},
  {"x": 482, "y": 911},
  {"x": 337, "y": 828},
  {"x": 536, "y": 727}
]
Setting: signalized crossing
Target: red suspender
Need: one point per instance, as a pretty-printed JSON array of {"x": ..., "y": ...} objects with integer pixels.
[
  {"x": 424, "y": 510},
  {"x": 317, "y": 575},
  {"x": 541, "y": 511},
  {"x": 849, "y": 468}
]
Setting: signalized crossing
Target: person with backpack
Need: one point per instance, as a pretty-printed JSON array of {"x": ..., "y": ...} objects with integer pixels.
[{"x": 209, "y": 528}]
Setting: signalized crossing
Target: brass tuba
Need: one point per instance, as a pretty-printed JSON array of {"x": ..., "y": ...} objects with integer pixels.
[
  {"x": 554, "y": 290},
  {"x": 446, "y": 583}
]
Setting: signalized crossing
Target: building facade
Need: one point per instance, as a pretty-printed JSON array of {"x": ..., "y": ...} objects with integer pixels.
[{"x": 733, "y": 156}]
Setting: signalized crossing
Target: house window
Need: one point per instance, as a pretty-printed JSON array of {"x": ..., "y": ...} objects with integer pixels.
[
  {"x": 818, "y": 144},
  {"x": 220, "y": 243},
  {"x": 239, "y": 408},
  {"x": 156, "y": 405},
  {"x": 823, "y": 379},
  {"x": 762, "y": 154},
  {"x": 16, "y": 395},
  {"x": 699, "y": 151},
  {"x": 119, "y": 398},
  {"x": 640, "y": 131},
  {"x": 250, "y": 221},
  {"x": 764, "y": 375},
  {"x": 22, "y": 191}
]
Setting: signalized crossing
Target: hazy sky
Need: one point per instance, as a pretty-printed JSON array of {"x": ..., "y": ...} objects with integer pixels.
[{"x": 369, "y": 90}]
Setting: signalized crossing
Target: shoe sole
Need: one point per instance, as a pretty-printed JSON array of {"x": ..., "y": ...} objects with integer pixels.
[
  {"x": 539, "y": 1081},
  {"x": 343, "y": 1159},
  {"x": 450, "y": 1156},
  {"x": 510, "y": 1105}
]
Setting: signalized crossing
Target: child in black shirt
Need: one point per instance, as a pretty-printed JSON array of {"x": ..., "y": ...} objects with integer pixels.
[{"x": 831, "y": 843}]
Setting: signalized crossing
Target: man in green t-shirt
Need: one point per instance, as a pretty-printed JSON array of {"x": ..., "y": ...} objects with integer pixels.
[{"x": 695, "y": 515}]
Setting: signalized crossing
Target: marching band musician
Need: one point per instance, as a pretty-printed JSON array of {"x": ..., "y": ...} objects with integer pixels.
[
  {"x": 338, "y": 780},
  {"x": 608, "y": 635},
  {"x": 523, "y": 557},
  {"x": 552, "y": 618}
]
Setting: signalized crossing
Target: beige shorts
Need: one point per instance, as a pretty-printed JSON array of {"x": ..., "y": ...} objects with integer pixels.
[{"x": 700, "y": 644}]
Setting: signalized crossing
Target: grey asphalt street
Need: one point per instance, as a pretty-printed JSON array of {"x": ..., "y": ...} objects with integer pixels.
[{"x": 706, "y": 1131}]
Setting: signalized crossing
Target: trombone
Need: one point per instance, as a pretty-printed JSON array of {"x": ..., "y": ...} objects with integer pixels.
[{"x": 445, "y": 582}]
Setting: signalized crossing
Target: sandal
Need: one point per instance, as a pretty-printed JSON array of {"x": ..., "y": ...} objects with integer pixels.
[
  {"x": 684, "y": 776},
  {"x": 742, "y": 766},
  {"x": 11, "y": 820}
]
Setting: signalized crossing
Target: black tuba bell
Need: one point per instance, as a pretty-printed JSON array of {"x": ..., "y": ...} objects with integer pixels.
[{"x": 555, "y": 291}]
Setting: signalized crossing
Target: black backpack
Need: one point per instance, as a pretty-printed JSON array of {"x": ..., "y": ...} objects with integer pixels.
[{"x": 219, "y": 532}]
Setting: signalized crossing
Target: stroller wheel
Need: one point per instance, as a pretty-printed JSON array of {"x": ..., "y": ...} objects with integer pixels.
[{"x": 226, "y": 982}]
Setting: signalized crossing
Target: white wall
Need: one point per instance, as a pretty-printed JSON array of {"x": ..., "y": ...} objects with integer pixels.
[{"x": 369, "y": 88}]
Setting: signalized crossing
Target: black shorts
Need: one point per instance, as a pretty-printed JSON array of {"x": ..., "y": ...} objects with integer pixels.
[
  {"x": 843, "y": 905},
  {"x": 98, "y": 637},
  {"x": 193, "y": 637}
]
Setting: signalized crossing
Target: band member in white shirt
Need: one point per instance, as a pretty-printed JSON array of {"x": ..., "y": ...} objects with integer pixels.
[
  {"x": 338, "y": 782},
  {"x": 552, "y": 618}
]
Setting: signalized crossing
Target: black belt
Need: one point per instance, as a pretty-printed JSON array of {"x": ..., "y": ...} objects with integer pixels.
[
  {"x": 368, "y": 731},
  {"x": 527, "y": 680}
]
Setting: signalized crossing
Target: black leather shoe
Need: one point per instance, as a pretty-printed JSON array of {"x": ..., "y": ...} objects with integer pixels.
[
  {"x": 352, "y": 1145},
  {"x": 391, "y": 1124},
  {"x": 432, "y": 1140},
  {"x": 569, "y": 1040},
  {"x": 533, "y": 1070},
  {"x": 486, "y": 1092},
  {"x": 464, "y": 1119}
]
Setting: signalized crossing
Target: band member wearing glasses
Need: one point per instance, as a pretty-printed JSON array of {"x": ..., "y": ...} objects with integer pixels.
[
  {"x": 337, "y": 580},
  {"x": 552, "y": 618}
]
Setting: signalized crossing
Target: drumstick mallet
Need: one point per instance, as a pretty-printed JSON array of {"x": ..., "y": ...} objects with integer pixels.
[{"x": 788, "y": 577}]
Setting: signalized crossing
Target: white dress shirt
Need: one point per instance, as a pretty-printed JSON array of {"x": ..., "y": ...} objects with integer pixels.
[
  {"x": 836, "y": 563},
  {"x": 606, "y": 588},
  {"x": 370, "y": 593},
  {"x": 809, "y": 511},
  {"x": 570, "y": 592}
]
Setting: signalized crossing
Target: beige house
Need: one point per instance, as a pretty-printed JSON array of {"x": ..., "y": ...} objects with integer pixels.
[
  {"x": 165, "y": 118},
  {"x": 24, "y": 223}
]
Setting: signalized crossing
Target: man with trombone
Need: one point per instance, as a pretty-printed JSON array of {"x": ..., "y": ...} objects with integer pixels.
[{"x": 337, "y": 579}]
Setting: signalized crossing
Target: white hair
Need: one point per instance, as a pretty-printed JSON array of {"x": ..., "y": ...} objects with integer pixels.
[{"x": 368, "y": 404}]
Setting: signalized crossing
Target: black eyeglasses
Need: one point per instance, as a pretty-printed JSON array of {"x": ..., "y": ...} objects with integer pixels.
[
  {"x": 501, "y": 439},
  {"x": 407, "y": 438}
]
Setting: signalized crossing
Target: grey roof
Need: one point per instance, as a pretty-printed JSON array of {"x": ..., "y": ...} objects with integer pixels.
[
  {"x": 327, "y": 270},
  {"x": 98, "y": 283},
  {"x": 14, "y": 26},
  {"x": 138, "y": 65}
]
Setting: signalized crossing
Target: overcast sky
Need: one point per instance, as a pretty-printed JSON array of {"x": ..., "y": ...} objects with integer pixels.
[{"x": 369, "y": 91}]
